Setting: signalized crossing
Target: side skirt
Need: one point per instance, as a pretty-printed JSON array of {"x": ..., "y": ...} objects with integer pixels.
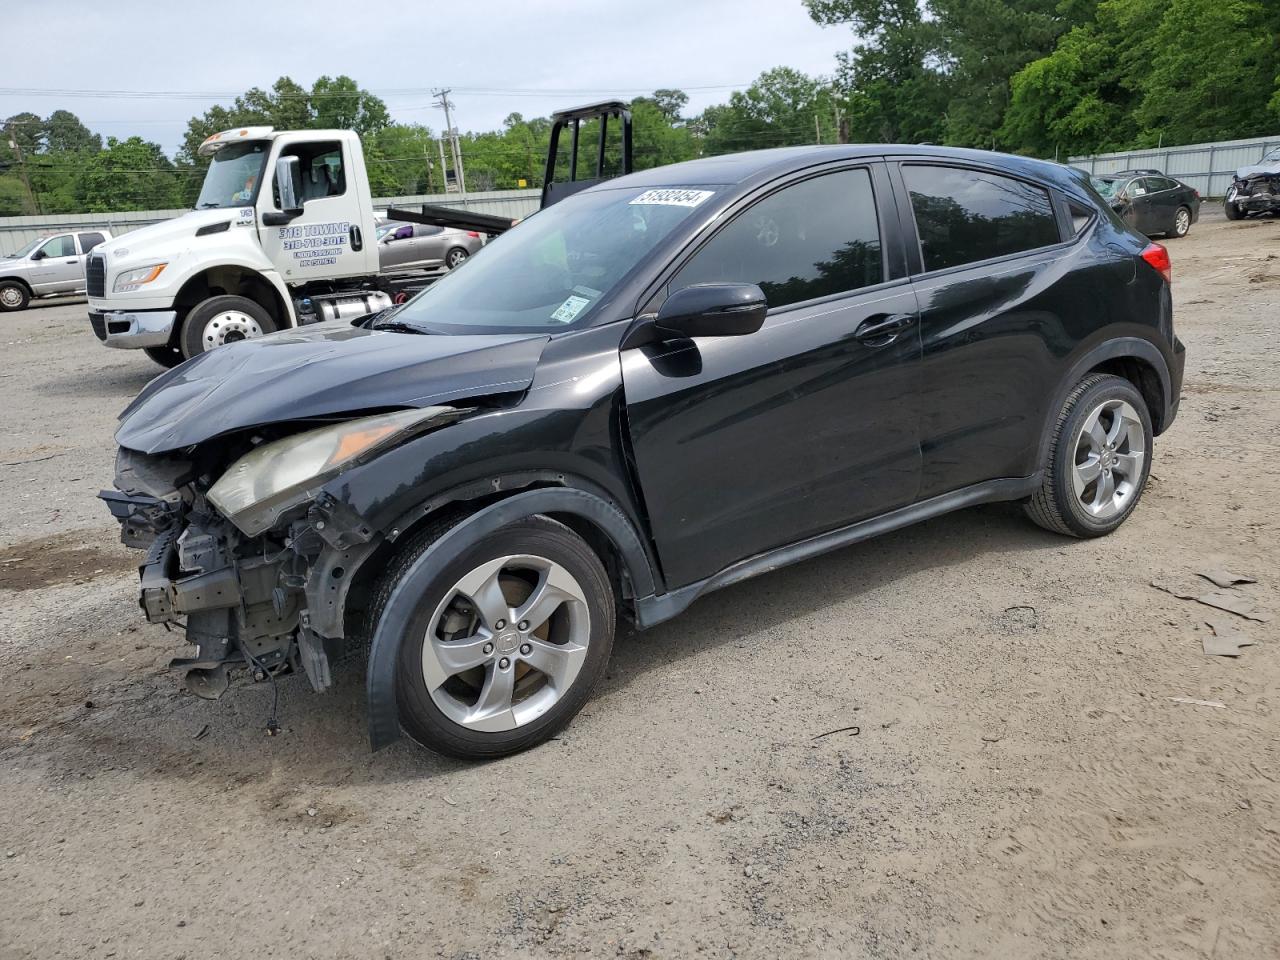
[{"x": 653, "y": 610}]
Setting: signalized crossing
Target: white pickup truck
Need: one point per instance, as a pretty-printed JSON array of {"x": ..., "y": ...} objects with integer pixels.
[{"x": 283, "y": 233}]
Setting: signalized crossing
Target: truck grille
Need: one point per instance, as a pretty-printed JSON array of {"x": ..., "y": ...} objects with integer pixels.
[{"x": 95, "y": 275}]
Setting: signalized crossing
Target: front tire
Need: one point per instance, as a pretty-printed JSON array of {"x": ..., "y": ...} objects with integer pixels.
[
  {"x": 1231, "y": 208},
  {"x": 221, "y": 320},
  {"x": 14, "y": 296},
  {"x": 1099, "y": 459},
  {"x": 505, "y": 646}
]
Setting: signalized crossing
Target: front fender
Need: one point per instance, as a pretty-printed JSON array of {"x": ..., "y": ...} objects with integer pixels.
[{"x": 384, "y": 717}]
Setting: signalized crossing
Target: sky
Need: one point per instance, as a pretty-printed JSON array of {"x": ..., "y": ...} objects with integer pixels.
[{"x": 499, "y": 56}]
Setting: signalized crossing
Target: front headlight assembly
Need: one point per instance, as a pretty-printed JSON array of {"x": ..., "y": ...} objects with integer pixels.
[
  {"x": 280, "y": 475},
  {"x": 131, "y": 280}
]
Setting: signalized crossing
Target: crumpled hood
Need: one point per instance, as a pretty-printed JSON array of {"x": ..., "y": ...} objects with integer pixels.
[
  {"x": 321, "y": 370},
  {"x": 1260, "y": 169}
]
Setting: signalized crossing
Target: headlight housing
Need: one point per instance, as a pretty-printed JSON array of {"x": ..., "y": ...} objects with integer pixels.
[
  {"x": 282, "y": 474},
  {"x": 131, "y": 280}
]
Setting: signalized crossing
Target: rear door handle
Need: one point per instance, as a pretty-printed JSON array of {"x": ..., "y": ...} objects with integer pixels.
[{"x": 881, "y": 330}]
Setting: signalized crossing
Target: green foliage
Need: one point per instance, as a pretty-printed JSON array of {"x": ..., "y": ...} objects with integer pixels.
[
  {"x": 1043, "y": 77},
  {"x": 128, "y": 174}
]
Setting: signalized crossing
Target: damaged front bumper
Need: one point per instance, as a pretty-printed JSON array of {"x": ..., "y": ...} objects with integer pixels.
[
  {"x": 268, "y": 604},
  {"x": 1255, "y": 195}
]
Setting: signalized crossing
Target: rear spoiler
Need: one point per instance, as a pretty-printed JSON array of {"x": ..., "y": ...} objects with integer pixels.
[{"x": 459, "y": 219}]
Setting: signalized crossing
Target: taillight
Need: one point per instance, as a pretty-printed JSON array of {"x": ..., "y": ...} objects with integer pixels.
[
  {"x": 1156, "y": 255},
  {"x": 472, "y": 233}
]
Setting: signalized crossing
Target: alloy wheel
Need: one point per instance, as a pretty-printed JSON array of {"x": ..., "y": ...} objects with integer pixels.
[
  {"x": 11, "y": 297},
  {"x": 1110, "y": 451},
  {"x": 1182, "y": 223},
  {"x": 229, "y": 326},
  {"x": 506, "y": 643}
]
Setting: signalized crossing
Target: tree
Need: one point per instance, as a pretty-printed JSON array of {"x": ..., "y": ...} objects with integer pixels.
[
  {"x": 783, "y": 107},
  {"x": 1214, "y": 63},
  {"x": 130, "y": 174},
  {"x": 895, "y": 87},
  {"x": 339, "y": 103},
  {"x": 1082, "y": 96},
  {"x": 65, "y": 134}
]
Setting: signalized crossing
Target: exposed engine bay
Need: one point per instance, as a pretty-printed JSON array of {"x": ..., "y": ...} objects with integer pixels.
[{"x": 263, "y": 587}]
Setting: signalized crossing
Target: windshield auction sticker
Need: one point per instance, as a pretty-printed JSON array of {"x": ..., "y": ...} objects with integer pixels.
[
  {"x": 673, "y": 198},
  {"x": 569, "y": 309}
]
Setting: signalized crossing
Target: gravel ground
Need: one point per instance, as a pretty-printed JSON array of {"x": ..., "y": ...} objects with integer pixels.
[{"x": 1023, "y": 782}]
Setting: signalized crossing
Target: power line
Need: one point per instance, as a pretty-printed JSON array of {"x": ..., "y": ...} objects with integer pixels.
[{"x": 81, "y": 93}]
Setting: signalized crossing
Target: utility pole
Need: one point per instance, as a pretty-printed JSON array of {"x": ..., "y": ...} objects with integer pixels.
[
  {"x": 442, "y": 97},
  {"x": 22, "y": 170},
  {"x": 817, "y": 129},
  {"x": 444, "y": 167}
]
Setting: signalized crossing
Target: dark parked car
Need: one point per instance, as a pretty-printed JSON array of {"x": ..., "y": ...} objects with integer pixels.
[
  {"x": 1150, "y": 202},
  {"x": 662, "y": 385}
]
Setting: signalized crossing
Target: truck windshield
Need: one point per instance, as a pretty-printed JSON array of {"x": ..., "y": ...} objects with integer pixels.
[
  {"x": 553, "y": 270},
  {"x": 233, "y": 175},
  {"x": 25, "y": 250}
]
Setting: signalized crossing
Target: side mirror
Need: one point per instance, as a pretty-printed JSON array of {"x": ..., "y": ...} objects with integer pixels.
[
  {"x": 289, "y": 189},
  {"x": 39, "y": 254},
  {"x": 712, "y": 310},
  {"x": 289, "y": 184}
]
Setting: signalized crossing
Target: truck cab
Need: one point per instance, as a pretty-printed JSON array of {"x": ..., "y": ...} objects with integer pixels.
[{"x": 282, "y": 233}]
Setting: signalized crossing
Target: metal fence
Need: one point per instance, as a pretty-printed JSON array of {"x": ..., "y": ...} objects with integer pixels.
[
  {"x": 1206, "y": 166},
  {"x": 17, "y": 232}
]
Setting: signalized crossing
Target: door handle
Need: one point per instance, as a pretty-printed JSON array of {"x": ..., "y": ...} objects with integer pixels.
[
  {"x": 72, "y": 262},
  {"x": 357, "y": 241},
  {"x": 881, "y": 330}
]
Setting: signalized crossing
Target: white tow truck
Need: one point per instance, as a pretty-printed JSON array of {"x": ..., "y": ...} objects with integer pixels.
[{"x": 283, "y": 233}]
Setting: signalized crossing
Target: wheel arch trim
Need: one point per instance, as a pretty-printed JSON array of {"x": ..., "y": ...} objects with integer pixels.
[
  {"x": 384, "y": 719},
  {"x": 1121, "y": 348}
]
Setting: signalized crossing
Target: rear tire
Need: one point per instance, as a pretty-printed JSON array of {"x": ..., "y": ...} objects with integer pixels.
[
  {"x": 534, "y": 676},
  {"x": 1099, "y": 459},
  {"x": 455, "y": 257},
  {"x": 14, "y": 296},
  {"x": 223, "y": 319},
  {"x": 167, "y": 357},
  {"x": 1181, "y": 223}
]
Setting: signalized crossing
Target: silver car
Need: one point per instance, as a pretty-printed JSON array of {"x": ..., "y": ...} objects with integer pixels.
[
  {"x": 46, "y": 267},
  {"x": 416, "y": 245}
]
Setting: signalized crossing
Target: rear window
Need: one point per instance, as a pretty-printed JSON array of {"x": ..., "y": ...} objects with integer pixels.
[{"x": 964, "y": 216}]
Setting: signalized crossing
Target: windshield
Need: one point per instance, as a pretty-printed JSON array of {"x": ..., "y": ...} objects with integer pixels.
[
  {"x": 27, "y": 249},
  {"x": 551, "y": 271},
  {"x": 233, "y": 175}
]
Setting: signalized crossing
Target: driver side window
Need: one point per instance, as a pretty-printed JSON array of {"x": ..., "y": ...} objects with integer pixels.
[
  {"x": 810, "y": 239},
  {"x": 323, "y": 173},
  {"x": 60, "y": 247}
]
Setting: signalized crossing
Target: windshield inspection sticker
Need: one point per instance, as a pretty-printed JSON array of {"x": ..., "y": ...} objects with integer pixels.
[
  {"x": 569, "y": 309},
  {"x": 673, "y": 198}
]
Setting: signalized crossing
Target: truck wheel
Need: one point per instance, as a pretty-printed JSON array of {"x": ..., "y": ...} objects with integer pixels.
[
  {"x": 506, "y": 644},
  {"x": 455, "y": 257},
  {"x": 14, "y": 296},
  {"x": 167, "y": 357},
  {"x": 1099, "y": 459},
  {"x": 222, "y": 320}
]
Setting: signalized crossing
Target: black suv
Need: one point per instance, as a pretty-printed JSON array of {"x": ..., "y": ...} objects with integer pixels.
[{"x": 662, "y": 385}]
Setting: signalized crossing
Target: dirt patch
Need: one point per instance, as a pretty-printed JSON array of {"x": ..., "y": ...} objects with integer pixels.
[
  {"x": 76, "y": 557},
  {"x": 1035, "y": 771}
]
